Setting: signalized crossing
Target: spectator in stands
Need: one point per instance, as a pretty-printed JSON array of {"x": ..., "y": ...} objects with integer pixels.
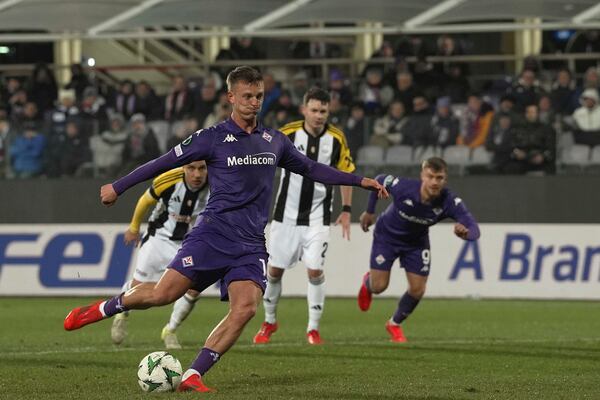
[
  {"x": 475, "y": 122},
  {"x": 563, "y": 93},
  {"x": 427, "y": 79},
  {"x": 447, "y": 46},
  {"x": 546, "y": 112},
  {"x": 29, "y": 117},
  {"x": 272, "y": 93},
  {"x": 587, "y": 119},
  {"x": 455, "y": 84},
  {"x": 147, "y": 102},
  {"x": 74, "y": 151},
  {"x": 207, "y": 100},
  {"x": 221, "y": 112},
  {"x": 26, "y": 154},
  {"x": 591, "y": 80},
  {"x": 7, "y": 136},
  {"x": 533, "y": 146},
  {"x": 282, "y": 112},
  {"x": 13, "y": 86},
  {"x": 500, "y": 143},
  {"x": 445, "y": 125},
  {"x": 357, "y": 128},
  {"x": 107, "y": 148},
  {"x": 405, "y": 90},
  {"x": 245, "y": 49},
  {"x": 339, "y": 88},
  {"x": 179, "y": 101},
  {"x": 124, "y": 102},
  {"x": 299, "y": 87},
  {"x": 374, "y": 94},
  {"x": 387, "y": 129},
  {"x": 526, "y": 90},
  {"x": 42, "y": 88},
  {"x": 141, "y": 145},
  {"x": 506, "y": 108},
  {"x": 418, "y": 130},
  {"x": 16, "y": 104},
  {"x": 93, "y": 114},
  {"x": 185, "y": 128},
  {"x": 385, "y": 51},
  {"x": 57, "y": 118},
  {"x": 338, "y": 113},
  {"x": 79, "y": 81}
]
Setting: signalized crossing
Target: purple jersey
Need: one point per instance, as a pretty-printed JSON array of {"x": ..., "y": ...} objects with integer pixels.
[
  {"x": 241, "y": 168},
  {"x": 407, "y": 219}
]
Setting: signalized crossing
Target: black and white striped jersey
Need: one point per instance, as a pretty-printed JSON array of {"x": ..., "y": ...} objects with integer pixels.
[
  {"x": 177, "y": 206},
  {"x": 302, "y": 201}
]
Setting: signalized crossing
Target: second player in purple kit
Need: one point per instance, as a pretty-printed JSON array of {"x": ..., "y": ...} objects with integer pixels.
[
  {"x": 402, "y": 232},
  {"x": 228, "y": 240}
]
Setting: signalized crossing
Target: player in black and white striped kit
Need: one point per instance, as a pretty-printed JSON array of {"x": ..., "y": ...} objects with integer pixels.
[
  {"x": 178, "y": 196},
  {"x": 300, "y": 226}
]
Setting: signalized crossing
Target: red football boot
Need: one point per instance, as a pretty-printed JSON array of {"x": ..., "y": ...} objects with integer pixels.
[
  {"x": 364, "y": 295},
  {"x": 81, "y": 316},
  {"x": 194, "y": 383},
  {"x": 264, "y": 334},
  {"x": 313, "y": 337},
  {"x": 395, "y": 331}
]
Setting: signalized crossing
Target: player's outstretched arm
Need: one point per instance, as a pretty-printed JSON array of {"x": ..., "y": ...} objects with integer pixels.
[
  {"x": 466, "y": 226},
  {"x": 108, "y": 195},
  {"x": 198, "y": 146}
]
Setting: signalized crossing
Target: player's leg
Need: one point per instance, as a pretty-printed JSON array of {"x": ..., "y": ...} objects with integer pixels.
[
  {"x": 244, "y": 297},
  {"x": 377, "y": 279},
  {"x": 416, "y": 262},
  {"x": 181, "y": 309},
  {"x": 118, "y": 329},
  {"x": 152, "y": 257},
  {"x": 314, "y": 247},
  {"x": 170, "y": 287},
  {"x": 283, "y": 247}
]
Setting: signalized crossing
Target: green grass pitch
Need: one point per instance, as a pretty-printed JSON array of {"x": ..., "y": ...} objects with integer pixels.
[{"x": 458, "y": 349}]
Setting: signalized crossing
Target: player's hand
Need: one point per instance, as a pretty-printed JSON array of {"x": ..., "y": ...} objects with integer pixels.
[
  {"x": 372, "y": 184},
  {"x": 344, "y": 220},
  {"x": 108, "y": 196},
  {"x": 131, "y": 238},
  {"x": 366, "y": 220},
  {"x": 461, "y": 231}
]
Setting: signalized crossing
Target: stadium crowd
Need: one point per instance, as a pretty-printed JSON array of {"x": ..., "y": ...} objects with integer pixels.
[{"x": 521, "y": 123}]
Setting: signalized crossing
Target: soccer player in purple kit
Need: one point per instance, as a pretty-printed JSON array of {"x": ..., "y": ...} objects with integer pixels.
[
  {"x": 228, "y": 240},
  {"x": 402, "y": 231}
]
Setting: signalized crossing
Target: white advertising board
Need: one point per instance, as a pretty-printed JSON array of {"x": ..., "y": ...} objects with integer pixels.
[{"x": 538, "y": 261}]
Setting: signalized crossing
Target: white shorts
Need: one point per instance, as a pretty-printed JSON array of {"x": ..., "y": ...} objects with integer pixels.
[
  {"x": 153, "y": 258},
  {"x": 289, "y": 244}
]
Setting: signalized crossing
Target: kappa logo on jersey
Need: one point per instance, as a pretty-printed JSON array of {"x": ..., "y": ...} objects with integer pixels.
[
  {"x": 300, "y": 148},
  {"x": 187, "y": 261},
  {"x": 457, "y": 201},
  {"x": 229, "y": 138},
  {"x": 408, "y": 202},
  {"x": 437, "y": 211},
  {"x": 380, "y": 259},
  {"x": 267, "y": 137}
]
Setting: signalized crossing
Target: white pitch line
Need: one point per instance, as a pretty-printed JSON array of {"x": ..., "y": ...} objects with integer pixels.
[{"x": 415, "y": 344}]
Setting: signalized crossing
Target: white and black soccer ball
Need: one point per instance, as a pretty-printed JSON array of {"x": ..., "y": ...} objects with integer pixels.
[{"x": 159, "y": 372}]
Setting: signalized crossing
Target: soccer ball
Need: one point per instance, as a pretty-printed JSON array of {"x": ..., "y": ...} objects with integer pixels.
[{"x": 159, "y": 372}]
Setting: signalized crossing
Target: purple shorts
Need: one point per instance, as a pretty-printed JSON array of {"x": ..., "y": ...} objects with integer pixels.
[
  {"x": 413, "y": 258},
  {"x": 204, "y": 264}
]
